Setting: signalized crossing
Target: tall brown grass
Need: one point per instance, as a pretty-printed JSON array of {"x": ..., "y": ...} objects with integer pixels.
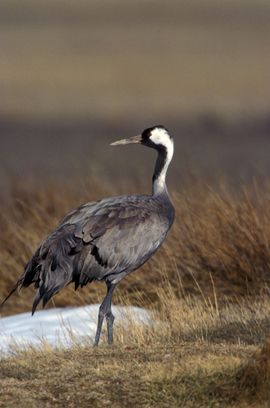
[{"x": 217, "y": 248}]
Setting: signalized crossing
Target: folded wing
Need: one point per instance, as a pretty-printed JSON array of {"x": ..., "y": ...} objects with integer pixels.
[{"x": 98, "y": 241}]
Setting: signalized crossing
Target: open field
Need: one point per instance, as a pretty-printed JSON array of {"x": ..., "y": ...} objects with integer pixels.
[
  {"x": 208, "y": 286},
  {"x": 116, "y": 60},
  {"x": 148, "y": 374}
]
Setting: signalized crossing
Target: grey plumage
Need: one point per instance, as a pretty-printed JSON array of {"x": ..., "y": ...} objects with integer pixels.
[{"x": 104, "y": 240}]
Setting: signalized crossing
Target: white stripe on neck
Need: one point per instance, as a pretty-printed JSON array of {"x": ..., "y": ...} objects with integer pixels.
[{"x": 159, "y": 185}]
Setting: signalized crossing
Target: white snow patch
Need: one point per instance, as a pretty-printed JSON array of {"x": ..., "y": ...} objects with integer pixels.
[{"x": 60, "y": 327}]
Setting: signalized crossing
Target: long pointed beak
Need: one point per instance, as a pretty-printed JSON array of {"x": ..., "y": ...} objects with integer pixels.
[{"x": 134, "y": 139}]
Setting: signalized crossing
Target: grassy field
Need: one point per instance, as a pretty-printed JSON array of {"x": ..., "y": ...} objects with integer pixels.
[
  {"x": 141, "y": 371},
  {"x": 208, "y": 287},
  {"x": 103, "y": 60}
]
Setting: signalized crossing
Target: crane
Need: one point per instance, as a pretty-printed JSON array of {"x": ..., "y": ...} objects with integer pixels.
[{"x": 107, "y": 239}]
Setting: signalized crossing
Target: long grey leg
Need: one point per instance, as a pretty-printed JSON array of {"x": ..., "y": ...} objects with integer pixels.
[
  {"x": 110, "y": 320},
  {"x": 99, "y": 326},
  {"x": 105, "y": 311}
]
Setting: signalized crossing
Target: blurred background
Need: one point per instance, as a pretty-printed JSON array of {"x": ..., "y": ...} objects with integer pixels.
[{"x": 76, "y": 75}]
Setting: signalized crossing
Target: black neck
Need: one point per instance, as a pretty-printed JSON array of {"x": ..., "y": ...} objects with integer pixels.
[
  {"x": 159, "y": 167},
  {"x": 160, "y": 163}
]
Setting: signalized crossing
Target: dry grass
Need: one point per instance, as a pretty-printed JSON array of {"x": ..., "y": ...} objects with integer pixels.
[
  {"x": 208, "y": 288},
  {"x": 196, "y": 357},
  {"x": 219, "y": 245}
]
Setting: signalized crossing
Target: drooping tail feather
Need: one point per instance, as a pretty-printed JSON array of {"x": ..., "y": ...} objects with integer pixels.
[
  {"x": 36, "y": 301},
  {"x": 44, "y": 295},
  {"x": 52, "y": 266},
  {"x": 11, "y": 292}
]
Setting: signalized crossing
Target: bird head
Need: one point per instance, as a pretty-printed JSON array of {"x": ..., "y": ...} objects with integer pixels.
[{"x": 156, "y": 137}]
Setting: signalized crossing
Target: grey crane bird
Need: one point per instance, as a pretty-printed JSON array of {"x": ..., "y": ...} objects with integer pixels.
[{"x": 107, "y": 239}]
